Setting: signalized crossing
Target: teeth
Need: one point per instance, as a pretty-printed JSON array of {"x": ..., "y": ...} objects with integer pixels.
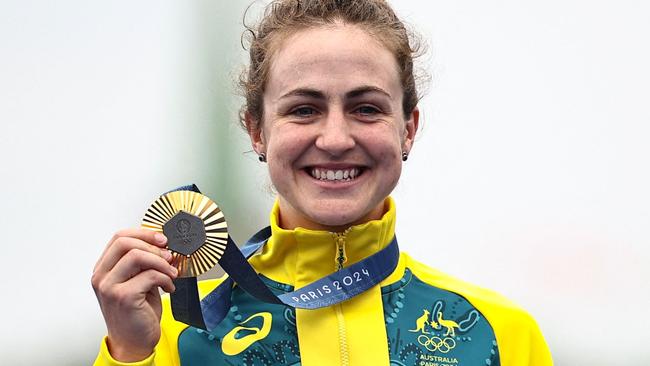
[{"x": 335, "y": 175}]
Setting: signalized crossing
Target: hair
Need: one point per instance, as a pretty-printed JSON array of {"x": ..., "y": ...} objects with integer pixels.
[{"x": 283, "y": 18}]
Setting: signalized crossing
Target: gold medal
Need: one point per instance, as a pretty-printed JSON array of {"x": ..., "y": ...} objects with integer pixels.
[{"x": 196, "y": 230}]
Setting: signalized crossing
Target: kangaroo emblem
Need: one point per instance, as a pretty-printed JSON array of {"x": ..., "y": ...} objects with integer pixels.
[
  {"x": 449, "y": 324},
  {"x": 421, "y": 323}
]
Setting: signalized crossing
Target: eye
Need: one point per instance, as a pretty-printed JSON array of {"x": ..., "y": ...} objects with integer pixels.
[
  {"x": 367, "y": 110},
  {"x": 303, "y": 112}
]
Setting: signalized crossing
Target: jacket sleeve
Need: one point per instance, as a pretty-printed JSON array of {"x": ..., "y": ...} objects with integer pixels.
[
  {"x": 166, "y": 351},
  {"x": 104, "y": 358},
  {"x": 540, "y": 354},
  {"x": 520, "y": 340}
]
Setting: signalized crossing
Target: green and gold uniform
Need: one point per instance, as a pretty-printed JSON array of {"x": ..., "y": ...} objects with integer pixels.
[{"x": 417, "y": 316}]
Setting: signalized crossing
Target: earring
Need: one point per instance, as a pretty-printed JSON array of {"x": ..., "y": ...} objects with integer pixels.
[
  {"x": 262, "y": 157},
  {"x": 405, "y": 156}
]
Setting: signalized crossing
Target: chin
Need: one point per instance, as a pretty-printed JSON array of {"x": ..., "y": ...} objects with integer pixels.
[{"x": 335, "y": 217}]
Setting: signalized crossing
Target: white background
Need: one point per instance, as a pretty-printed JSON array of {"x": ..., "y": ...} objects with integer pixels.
[{"x": 530, "y": 175}]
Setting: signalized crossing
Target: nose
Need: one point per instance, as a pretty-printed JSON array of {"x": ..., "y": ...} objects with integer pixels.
[{"x": 335, "y": 136}]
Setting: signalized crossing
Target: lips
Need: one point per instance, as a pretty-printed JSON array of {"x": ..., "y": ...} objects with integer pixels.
[{"x": 335, "y": 175}]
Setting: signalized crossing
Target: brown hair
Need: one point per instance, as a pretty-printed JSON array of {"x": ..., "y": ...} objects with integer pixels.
[{"x": 282, "y": 18}]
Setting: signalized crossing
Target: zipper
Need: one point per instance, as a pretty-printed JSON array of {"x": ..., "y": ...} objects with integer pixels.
[
  {"x": 339, "y": 259},
  {"x": 343, "y": 338}
]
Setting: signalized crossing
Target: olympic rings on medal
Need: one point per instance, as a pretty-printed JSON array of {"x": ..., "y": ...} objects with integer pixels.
[{"x": 436, "y": 343}]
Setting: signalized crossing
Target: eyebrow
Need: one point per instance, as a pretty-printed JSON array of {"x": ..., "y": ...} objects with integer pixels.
[
  {"x": 357, "y": 92},
  {"x": 354, "y": 93},
  {"x": 304, "y": 92}
]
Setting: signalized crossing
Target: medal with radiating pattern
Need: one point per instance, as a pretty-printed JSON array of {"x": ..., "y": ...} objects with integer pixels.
[{"x": 196, "y": 230}]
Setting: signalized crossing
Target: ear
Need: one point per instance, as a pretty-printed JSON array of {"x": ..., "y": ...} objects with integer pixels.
[
  {"x": 256, "y": 134},
  {"x": 410, "y": 129}
]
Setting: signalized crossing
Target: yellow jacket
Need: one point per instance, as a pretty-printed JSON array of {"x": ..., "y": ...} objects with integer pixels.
[{"x": 416, "y": 316}]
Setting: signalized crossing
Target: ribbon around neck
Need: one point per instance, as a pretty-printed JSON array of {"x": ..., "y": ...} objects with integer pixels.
[{"x": 326, "y": 291}]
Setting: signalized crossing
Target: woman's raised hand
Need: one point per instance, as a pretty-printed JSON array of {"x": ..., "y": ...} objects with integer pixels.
[{"x": 126, "y": 279}]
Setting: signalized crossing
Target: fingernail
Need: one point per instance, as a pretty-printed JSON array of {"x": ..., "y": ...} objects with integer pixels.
[
  {"x": 174, "y": 271},
  {"x": 167, "y": 254},
  {"x": 160, "y": 238}
]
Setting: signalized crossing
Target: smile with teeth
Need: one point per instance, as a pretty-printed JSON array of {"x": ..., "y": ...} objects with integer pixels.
[{"x": 342, "y": 175}]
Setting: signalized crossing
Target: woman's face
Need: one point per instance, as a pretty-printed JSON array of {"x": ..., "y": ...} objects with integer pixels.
[{"x": 333, "y": 128}]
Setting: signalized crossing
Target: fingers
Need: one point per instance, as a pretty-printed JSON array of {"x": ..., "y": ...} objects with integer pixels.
[
  {"x": 142, "y": 269},
  {"x": 129, "y": 253},
  {"x": 122, "y": 245},
  {"x": 148, "y": 236},
  {"x": 136, "y": 261},
  {"x": 129, "y": 294},
  {"x": 144, "y": 281}
]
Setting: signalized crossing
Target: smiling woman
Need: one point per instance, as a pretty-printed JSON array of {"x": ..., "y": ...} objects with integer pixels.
[
  {"x": 331, "y": 106},
  {"x": 330, "y": 112}
]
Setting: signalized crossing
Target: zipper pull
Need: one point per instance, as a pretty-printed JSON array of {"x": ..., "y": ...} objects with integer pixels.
[{"x": 340, "y": 257}]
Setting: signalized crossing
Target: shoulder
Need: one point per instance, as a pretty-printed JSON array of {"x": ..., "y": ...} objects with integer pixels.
[
  {"x": 516, "y": 330},
  {"x": 486, "y": 300}
]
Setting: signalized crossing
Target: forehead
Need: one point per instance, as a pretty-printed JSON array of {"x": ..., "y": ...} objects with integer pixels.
[{"x": 337, "y": 56}]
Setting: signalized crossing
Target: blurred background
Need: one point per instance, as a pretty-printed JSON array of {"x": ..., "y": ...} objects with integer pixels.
[{"x": 530, "y": 175}]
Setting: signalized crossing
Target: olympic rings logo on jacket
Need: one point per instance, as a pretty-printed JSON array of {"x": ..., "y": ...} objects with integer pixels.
[{"x": 434, "y": 343}]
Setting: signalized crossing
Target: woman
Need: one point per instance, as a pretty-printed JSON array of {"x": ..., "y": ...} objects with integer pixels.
[{"x": 331, "y": 106}]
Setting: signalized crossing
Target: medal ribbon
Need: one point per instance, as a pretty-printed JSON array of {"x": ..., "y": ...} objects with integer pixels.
[{"x": 329, "y": 290}]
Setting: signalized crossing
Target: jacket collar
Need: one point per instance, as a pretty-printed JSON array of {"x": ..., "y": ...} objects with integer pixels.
[{"x": 300, "y": 256}]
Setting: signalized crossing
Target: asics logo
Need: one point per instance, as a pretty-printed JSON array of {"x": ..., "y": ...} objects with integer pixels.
[{"x": 231, "y": 345}]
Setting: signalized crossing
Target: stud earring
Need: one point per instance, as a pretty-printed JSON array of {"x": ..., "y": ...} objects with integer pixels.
[
  {"x": 262, "y": 157},
  {"x": 405, "y": 156}
]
